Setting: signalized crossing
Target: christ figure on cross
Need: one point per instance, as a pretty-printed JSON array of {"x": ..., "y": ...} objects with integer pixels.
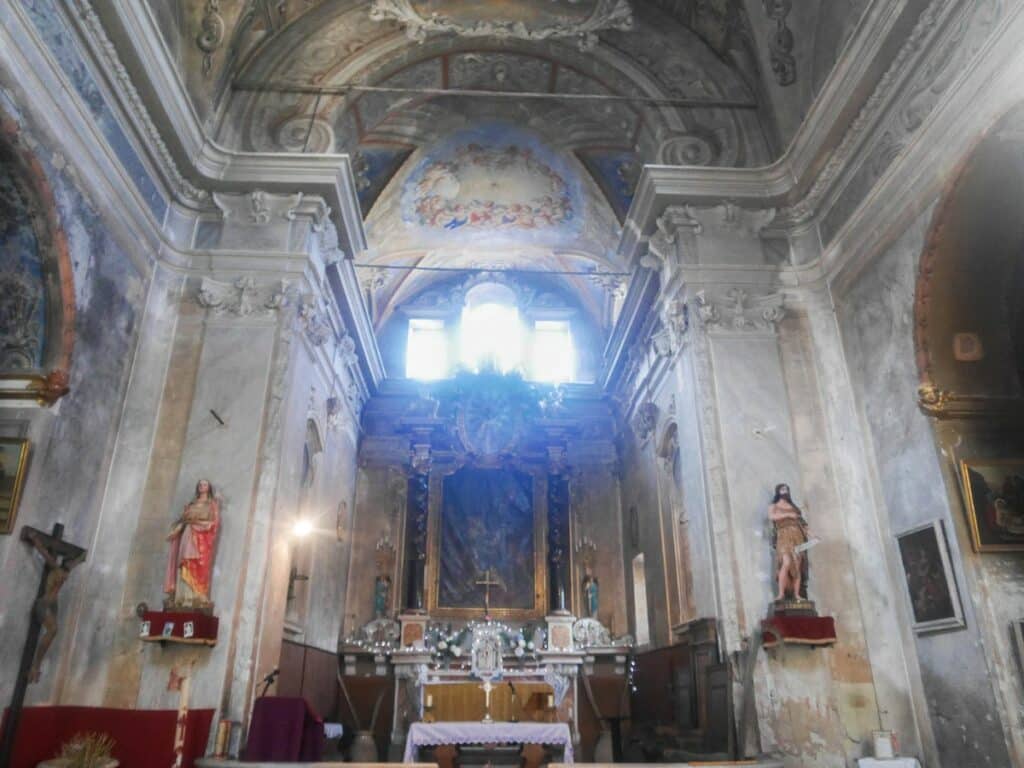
[{"x": 489, "y": 580}]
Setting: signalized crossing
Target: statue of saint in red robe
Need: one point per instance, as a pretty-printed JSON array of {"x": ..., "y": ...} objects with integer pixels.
[{"x": 193, "y": 540}]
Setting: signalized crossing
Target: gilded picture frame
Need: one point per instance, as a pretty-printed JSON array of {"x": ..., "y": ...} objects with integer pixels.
[
  {"x": 433, "y": 571},
  {"x": 13, "y": 464},
  {"x": 931, "y": 585},
  {"x": 993, "y": 491}
]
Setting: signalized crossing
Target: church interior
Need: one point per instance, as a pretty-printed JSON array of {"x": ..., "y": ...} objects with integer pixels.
[{"x": 481, "y": 383}]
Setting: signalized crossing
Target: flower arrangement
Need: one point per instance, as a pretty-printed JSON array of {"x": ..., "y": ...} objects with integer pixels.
[{"x": 445, "y": 644}]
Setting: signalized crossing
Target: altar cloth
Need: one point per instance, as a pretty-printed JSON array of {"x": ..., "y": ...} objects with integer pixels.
[{"x": 436, "y": 734}]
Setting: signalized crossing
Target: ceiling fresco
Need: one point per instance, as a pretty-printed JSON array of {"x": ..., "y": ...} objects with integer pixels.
[{"x": 569, "y": 99}]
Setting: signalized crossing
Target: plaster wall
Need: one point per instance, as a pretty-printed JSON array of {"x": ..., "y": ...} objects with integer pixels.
[
  {"x": 876, "y": 316},
  {"x": 379, "y": 513},
  {"x": 322, "y": 598},
  {"x": 72, "y": 442},
  {"x": 640, "y": 503},
  {"x": 594, "y": 508},
  {"x": 700, "y": 568}
]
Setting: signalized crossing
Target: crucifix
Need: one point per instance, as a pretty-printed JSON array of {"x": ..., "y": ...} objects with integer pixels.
[
  {"x": 487, "y": 582},
  {"x": 59, "y": 559}
]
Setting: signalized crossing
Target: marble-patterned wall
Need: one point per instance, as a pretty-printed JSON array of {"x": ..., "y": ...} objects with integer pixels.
[{"x": 876, "y": 318}]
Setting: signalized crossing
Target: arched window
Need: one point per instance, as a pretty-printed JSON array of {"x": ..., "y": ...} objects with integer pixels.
[{"x": 491, "y": 333}]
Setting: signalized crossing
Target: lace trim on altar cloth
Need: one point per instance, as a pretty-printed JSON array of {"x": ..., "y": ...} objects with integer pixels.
[{"x": 436, "y": 734}]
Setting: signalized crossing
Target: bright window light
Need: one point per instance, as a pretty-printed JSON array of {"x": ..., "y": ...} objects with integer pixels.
[
  {"x": 553, "y": 359},
  {"x": 426, "y": 351},
  {"x": 491, "y": 337}
]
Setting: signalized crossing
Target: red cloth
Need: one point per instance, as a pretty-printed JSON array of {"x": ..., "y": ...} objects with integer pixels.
[
  {"x": 142, "y": 738},
  {"x": 803, "y": 630},
  {"x": 284, "y": 729}
]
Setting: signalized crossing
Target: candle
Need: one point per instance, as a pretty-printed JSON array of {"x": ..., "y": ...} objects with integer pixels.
[
  {"x": 430, "y": 699},
  {"x": 551, "y": 701}
]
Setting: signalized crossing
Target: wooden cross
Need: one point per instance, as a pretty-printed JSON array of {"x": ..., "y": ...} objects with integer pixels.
[
  {"x": 487, "y": 582},
  {"x": 60, "y": 558}
]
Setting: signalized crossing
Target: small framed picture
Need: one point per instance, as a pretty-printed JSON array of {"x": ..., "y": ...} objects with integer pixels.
[
  {"x": 931, "y": 586},
  {"x": 13, "y": 461},
  {"x": 994, "y": 495},
  {"x": 168, "y": 629},
  {"x": 188, "y": 629},
  {"x": 144, "y": 629}
]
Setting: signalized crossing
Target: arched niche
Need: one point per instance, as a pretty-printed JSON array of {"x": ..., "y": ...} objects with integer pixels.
[
  {"x": 37, "y": 299},
  {"x": 969, "y": 312}
]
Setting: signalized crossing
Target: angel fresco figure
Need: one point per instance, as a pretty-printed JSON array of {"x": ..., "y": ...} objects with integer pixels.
[
  {"x": 193, "y": 539},
  {"x": 790, "y": 533}
]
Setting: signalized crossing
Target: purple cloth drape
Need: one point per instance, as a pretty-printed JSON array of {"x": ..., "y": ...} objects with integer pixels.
[{"x": 284, "y": 729}]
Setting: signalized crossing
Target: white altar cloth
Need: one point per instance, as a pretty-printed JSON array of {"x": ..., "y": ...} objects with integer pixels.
[
  {"x": 888, "y": 762},
  {"x": 435, "y": 734}
]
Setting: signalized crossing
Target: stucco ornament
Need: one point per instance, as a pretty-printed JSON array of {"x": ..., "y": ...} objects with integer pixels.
[
  {"x": 532, "y": 21},
  {"x": 590, "y": 633},
  {"x": 211, "y": 34}
]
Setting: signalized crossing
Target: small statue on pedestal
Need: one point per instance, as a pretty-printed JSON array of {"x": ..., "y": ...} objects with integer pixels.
[
  {"x": 790, "y": 539},
  {"x": 385, "y": 560},
  {"x": 193, "y": 539},
  {"x": 381, "y": 591},
  {"x": 591, "y": 594}
]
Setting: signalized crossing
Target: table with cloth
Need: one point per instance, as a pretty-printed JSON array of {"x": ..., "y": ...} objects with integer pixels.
[{"x": 437, "y": 734}]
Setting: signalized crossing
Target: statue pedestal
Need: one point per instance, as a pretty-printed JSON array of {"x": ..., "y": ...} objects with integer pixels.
[
  {"x": 191, "y": 627},
  {"x": 560, "y": 631},
  {"x": 797, "y": 622},
  {"x": 414, "y": 629}
]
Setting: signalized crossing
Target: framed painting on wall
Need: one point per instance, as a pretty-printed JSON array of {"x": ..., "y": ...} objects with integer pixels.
[
  {"x": 931, "y": 586},
  {"x": 13, "y": 460},
  {"x": 994, "y": 495},
  {"x": 1017, "y": 628}
]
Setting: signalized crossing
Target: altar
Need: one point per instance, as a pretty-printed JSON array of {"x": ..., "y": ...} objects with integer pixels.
[
  {"x": 486, "y": 601},
  {"x": 456, "y": 733}
]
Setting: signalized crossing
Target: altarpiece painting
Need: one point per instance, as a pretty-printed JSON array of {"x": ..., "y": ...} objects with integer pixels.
[
  {"x": 487, "y": 528},
  {"x": 994, "y": 492}
]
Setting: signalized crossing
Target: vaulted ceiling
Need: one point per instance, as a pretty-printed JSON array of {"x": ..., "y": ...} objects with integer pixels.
[{"x": 593, "y": 89}]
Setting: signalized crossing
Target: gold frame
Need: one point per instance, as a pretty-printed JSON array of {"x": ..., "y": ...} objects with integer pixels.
[
  {"x": 540, "y": 552},
  {"x": 971, "y": 509},
  {"x": 19, "y": 480}
]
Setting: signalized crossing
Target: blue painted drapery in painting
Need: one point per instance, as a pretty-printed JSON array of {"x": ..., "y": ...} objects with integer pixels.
[{"x": 487, "y": 523}]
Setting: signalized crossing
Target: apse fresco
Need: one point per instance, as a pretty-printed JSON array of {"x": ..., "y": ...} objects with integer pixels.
[
  {"x": 493, "y": 179},
  {"x": 22, "y": 294}
]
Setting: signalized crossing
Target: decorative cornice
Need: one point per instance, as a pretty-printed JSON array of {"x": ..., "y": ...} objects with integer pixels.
[
  {"x": 927, "y": 23},
  {"x": 97, "y": 38}
]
